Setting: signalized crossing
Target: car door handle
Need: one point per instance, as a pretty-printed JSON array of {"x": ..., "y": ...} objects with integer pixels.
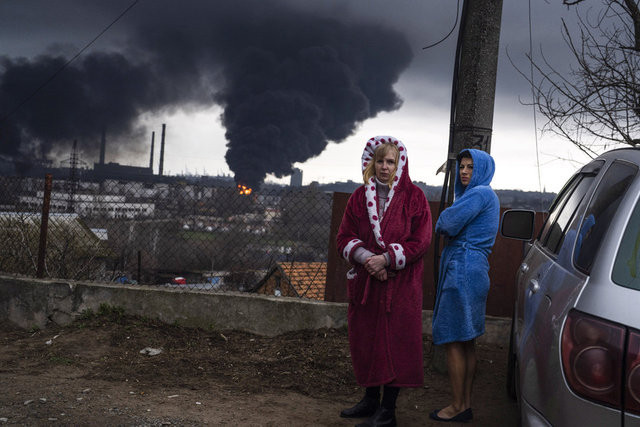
[
  {"x": 534, "y": 286},
  {"x": 524, "y": 267}
]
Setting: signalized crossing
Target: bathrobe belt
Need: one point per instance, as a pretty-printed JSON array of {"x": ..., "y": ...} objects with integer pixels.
[
  {"x": 467, "y": 245},
  {"x": 388, "y": 293}
]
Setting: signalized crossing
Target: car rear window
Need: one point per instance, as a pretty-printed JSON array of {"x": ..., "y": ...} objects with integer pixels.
[
  {"x": 626, "y": 268},
  {"x": 600, "y": 212}
]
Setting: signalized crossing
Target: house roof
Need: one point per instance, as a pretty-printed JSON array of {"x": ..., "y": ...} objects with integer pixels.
[
  {"x": 309, "y": 279},
  {"x": 301, "y": 279},
  {"x": 61, "y": 228}
]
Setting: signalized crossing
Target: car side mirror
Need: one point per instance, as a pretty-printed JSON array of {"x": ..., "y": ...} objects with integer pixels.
[{"x": 518, "y": 224}]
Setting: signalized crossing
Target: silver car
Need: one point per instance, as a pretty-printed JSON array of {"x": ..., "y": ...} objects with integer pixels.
[{"x": 574, "y": 357}]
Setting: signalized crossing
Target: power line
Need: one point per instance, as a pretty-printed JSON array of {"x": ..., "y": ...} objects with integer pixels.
[
  {"x": 451, "y": 31},
  {"x": 55, "y": 74}
]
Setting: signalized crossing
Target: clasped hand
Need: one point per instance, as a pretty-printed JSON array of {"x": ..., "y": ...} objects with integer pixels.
[{"x": 375, "y": 266}]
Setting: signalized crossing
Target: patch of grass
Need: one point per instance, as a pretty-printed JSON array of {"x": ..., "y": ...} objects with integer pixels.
[
  {"x": 105, "y": 313},
  {"x": 60, "y": 360},
  {"x": 198, "y": 235},
  {"x": 86, "y": 314},
  {"x": 110, "y": 310}
]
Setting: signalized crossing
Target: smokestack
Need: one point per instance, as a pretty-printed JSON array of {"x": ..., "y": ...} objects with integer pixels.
[
  {"x": 153, "y": 137},
  {"x": 162, "y": 150},
  {"x": 103, "y": 143},
  {"x": 296, "y": 178}
]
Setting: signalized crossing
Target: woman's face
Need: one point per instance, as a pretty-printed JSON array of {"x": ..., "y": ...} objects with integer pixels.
[
  {"x": 466, "y": 170},
  {"x": 386, "y": 166}
]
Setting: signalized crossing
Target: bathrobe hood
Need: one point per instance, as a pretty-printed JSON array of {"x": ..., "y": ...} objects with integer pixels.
[
  {"x": 400, "y": 181},
  {"x": 483, "y": 169}
]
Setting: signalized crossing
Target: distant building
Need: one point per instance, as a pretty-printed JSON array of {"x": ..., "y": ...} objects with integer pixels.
[
  {"x": 117, "y": 171},
  {"x": 296, "y": 178},
  {"x": 110, "y": 206}
]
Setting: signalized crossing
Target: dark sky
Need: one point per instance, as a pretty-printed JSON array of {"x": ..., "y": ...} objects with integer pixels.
[{"x": 285, "y": 78}]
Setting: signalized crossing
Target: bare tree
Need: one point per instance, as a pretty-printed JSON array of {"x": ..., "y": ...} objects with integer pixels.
[{"x": 596, "y": 105}]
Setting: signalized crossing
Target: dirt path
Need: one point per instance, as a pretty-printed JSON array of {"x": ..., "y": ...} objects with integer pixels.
[{"x": 92, "y": 373}]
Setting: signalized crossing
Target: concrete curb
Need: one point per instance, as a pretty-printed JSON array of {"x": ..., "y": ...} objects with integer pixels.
[{"x": 32, "y": 303}]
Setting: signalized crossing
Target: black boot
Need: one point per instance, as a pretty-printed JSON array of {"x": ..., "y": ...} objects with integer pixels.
[
  {"x": 365, "y": 408},
  {"x": 383, "y": 417}
]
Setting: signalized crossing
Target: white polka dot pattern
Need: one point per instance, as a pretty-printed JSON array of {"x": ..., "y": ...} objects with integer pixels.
[
  {"x": 400, "y": 259},
  {"x": 346, "y": 253},
  {"x": 370, "y": 190}
]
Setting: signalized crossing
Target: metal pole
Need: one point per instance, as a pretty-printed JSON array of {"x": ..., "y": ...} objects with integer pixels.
[{"x": 44, "y": 225}]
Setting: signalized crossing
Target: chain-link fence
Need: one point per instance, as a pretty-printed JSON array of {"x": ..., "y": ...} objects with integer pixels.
[{"x": 172, "y": 233}]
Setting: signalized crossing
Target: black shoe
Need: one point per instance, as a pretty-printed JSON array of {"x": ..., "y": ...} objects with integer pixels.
[
  {"x": 382, "y": 418},
  {"x": 463, "y": 417},
  {"x": 365, "y": 408}
]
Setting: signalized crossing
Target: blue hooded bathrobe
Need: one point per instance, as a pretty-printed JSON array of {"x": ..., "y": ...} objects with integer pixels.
[{"x": 470, "y": 225}]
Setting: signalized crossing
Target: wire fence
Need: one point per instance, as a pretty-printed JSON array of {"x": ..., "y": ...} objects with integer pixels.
[{"x": 174, "y": 234}]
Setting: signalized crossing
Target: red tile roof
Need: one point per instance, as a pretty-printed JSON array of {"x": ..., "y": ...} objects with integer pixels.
[
  {"x": 308, "y": 279},
  {"x": 297, "y": 279}
]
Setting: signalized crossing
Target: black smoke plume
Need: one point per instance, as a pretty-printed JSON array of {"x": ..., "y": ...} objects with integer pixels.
[{"x": 288, "y": 81}]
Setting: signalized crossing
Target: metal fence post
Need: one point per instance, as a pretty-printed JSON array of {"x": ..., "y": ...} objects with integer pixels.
[{"x": 44, "y": 223}]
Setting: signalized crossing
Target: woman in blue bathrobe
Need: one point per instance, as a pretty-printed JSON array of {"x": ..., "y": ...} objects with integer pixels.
[{"x": 469, "y": 226}]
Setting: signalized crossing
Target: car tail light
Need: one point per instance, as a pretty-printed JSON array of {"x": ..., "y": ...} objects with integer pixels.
[
  {"x": 632, "y": 398},
  {"x": 592, "y": 354}
]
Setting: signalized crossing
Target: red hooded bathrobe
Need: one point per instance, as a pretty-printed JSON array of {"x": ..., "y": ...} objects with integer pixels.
[{"x": 385, "y": 318}]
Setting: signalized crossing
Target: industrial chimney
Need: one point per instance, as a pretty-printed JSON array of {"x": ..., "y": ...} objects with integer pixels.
[
  {"x": 103, "y": 143},
  {"x": 153, "y": 137},
  {"x": 162, "y": 150},
  {"x": 296, "y": 178}
]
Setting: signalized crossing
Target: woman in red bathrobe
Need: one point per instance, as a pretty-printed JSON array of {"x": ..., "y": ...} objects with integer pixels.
[{"x": 385, "y": 232}]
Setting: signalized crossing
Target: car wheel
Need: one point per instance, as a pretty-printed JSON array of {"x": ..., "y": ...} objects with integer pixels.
[{"x": 512, "y": 363}]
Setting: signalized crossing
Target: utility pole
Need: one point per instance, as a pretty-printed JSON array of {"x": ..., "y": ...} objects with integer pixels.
[
  {"x": 474, "y": 82},
  {"x": 472, "y": 98}
]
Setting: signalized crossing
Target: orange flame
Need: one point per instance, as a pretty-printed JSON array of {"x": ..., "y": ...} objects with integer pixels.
[{"x": 244, "y": 190}]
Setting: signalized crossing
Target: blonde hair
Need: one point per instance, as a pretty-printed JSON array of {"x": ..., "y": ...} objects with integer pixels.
[{"x": 379, "y": 153}]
